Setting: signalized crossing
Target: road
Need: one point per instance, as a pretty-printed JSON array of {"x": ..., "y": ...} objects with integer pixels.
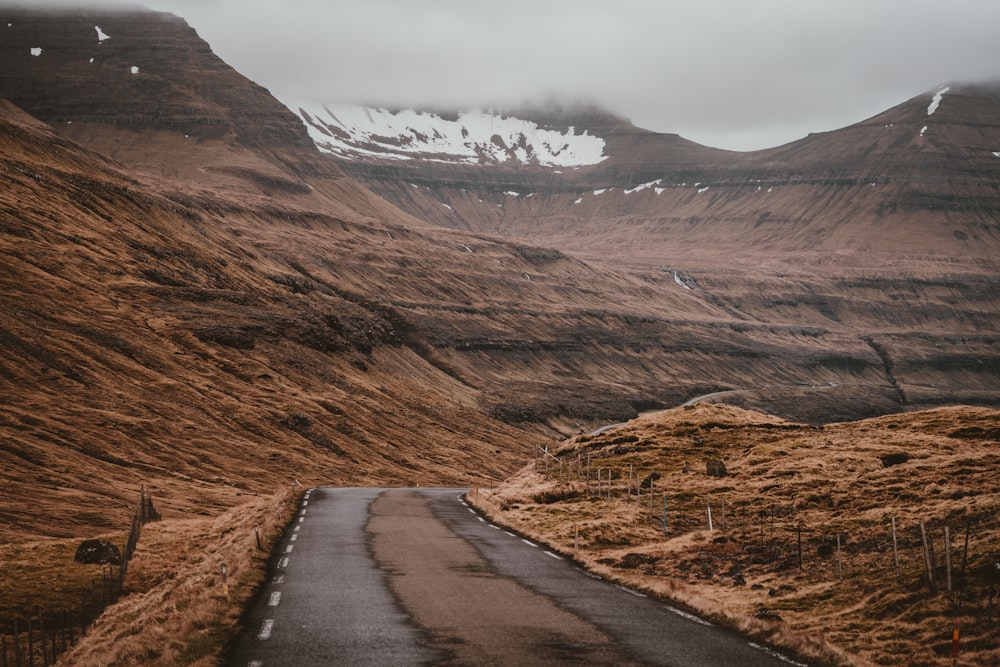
[{"x": 416, "y": 577}]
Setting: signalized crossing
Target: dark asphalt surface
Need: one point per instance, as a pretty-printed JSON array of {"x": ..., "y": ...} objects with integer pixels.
[{"x": 329, "y": 603}]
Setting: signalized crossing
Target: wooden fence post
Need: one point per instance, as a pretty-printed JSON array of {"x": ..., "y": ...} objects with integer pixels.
[
  {"x": 927, "y": 558},
  {"x": 947, "y": 558}
]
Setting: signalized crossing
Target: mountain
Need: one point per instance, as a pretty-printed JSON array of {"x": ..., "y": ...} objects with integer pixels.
[
  {"x": 917, "y": 181},
  {"x": 199, "y": 297}
]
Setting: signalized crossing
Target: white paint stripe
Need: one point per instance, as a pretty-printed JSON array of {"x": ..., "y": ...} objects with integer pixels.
[
  {"x": 305, "y": 503},
  {"x": 530, "y": 544},
  {"x": 279, "y": 579},
  {"x": 283, "y": 563},
  {"x": 471, "y": 511},
  {"x": 303, "y": 512},
  {"x": 289, "y": 548},
  {"x": 255, "y": 663},
  {"x": 631, "y": 592},
  {"x": 777, "y": 655},
  {"x": 556, "y": 556},
  {"x": 274, "y": 600},
  {"x": 294, "y": 537},
  {"x": 506, "y": 532},
  {"x": 481, "y": 519},
  {"x": 690, "y": 617},
  {"x": 296, "y": 529},
  {"x": 301, "y": 519},
  {"x": 494, "y": 527},
  {"x": 265, "y": 629}
]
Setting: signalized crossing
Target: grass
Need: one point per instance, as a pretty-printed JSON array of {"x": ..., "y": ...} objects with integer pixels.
[
  {"x": 789, "y": 491},
  {"x": 175, "y": 611}
]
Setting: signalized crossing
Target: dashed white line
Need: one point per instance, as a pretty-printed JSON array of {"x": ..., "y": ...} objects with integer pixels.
[
  {"x": 507, "y": 532},
  {"x": 279, "y": 579},
  {"x": 556, "y": 556},
  {"x": 635, "y": 593},
  {"x": 305, "y": 502},
  {"x": 293, "y": 538},
  {"x": 283, "y": 563},
  {"x": 296, "y": 529},
  {"x": 265, "y": 629},
  {"x": 777, "y": 655},
  {"x": 481, "y": 519},
  {"x": 274, "y": 599},
  {"x": 289, "y": 548},
  {"x": 255, "y": 663},
  {"x": 494, "y": 527},
  {"x": 530, "y": 544},
  {"x": 690, "y": 617},
  {"x": 301, "y": 519},
  {"x": 471, "y": 511}
]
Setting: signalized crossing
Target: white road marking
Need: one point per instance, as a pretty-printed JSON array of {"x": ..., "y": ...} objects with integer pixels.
[
  {"x": 556, "y": 556},
  {"x": 289, "y": 548},
  {"x": 507, "y": 532},
  {"x": 265, "y": 629},
  {"x": 296, "y": 529},
  {"x": 690, "y": 617},
  {"x": 283, "y": 563},
  {"x": 471, "y": 511},
  {"x": 305, "y": 503},
  {"x": 274, "y": 600},
  {"x": 255, "y": 663},
  {"x": 494, "y": 527},
  {"x": 530, "y": 544},
  {"x": 279, "y": 579},
  {"x": 631, "y": 592},
  {"x": 777, "y": 655},
  {"x": 294, "y": 537},
  {"x": 301, "y": 519},
  {"x": 303, "y": 512},
  {"x": 481, "y": 519}
]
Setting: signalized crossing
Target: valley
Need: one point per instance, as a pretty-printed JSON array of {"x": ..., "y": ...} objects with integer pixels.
[{"x": 227, "y": 300}]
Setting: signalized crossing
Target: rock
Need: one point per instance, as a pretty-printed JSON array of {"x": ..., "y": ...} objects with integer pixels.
[
  {"x": 766, "y": 614},
  {"x": 649, "y": 479},
  {"x": 98, "y": 552},
  {"x": 634, "y": 560},
  {"x": 715, "y": 468}
]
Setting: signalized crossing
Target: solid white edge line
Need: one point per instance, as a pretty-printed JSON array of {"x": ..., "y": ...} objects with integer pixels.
[
  {"x": 265, "y": 629},
  {"x": 630, "y": 591},
  {"x": 530, "y": 544}
]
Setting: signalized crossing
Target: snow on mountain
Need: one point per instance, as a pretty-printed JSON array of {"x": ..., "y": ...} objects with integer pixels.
[{"x": 473, "y": 137}]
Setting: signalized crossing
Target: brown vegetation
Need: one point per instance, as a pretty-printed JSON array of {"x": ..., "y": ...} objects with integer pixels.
[{"x": 801, "y": 549}]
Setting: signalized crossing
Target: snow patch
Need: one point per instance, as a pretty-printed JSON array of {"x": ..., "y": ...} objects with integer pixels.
[
  {"x": 996, "y": 153},
  {"x": 677, "y": 279},
  {"x": 923, "y": 130},
  {"x": 659, "y": 191},
  {"x": 643, "y": 186},
  {"x": 36, "y": 51},
  {"x": 472, "y": 137},
  {"x": 601, "y": 191},
  {"x": 704, "y": 189},
  {"x": 511, "y": 193},
  {"x": 100, "y": 34},
  {"x": 936, "y": 100},
  {"x": 447, "y": 207},
  {"x": 91, "y": 60},
  {"x": 134, "y": 69},
  {"x": 579, "y": 201}
]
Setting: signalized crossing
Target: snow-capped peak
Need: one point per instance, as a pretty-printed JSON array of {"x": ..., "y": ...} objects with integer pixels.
[
  {"x": 473, "y": 137},
  {"x": 936, "y": 100}
]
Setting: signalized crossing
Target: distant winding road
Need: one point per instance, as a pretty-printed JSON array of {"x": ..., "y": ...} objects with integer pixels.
[{"x": 416, "y": 577}]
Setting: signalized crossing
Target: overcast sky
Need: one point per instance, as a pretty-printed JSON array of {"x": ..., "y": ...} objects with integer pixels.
[{"x": 737, "y": 74}]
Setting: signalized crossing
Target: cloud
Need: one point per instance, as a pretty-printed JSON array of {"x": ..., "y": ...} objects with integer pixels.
[{"x": 737, "y": 74}]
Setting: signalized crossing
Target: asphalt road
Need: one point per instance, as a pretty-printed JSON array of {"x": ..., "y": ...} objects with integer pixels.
[{"x": 416, "y": 577}]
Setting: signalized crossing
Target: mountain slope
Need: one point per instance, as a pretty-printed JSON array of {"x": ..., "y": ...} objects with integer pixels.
[{"x": 203, "y": 301}]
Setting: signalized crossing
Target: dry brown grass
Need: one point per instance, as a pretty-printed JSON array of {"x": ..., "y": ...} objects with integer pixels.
[
  {"x": 175, "y": 611},
  {"x": 785, "y": 480}
]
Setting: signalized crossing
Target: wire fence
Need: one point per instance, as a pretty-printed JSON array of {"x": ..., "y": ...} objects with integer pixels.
[
  {"x": 32, "y": 636},
  {"x": 957, "y": 555}
]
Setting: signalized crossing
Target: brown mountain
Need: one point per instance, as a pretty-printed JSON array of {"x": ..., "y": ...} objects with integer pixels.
[{"x": 194, "y": 297}]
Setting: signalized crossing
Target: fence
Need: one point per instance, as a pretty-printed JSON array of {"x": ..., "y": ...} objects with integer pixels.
[
  {"x": 956, "y": 555},
  {"x": 33, "y": 636}
]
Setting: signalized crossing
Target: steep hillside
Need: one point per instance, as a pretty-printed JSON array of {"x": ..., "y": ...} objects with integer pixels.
[{"x": 202, "y": 301}]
